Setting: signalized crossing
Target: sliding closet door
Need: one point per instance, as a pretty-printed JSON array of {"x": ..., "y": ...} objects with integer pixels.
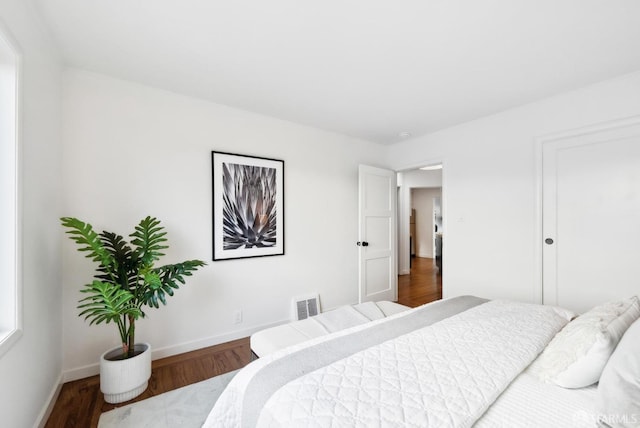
[{"x": 591, "y": 216}]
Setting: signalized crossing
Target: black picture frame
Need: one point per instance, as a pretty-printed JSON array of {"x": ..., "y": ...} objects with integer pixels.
[{"x": 248, "y": 206}]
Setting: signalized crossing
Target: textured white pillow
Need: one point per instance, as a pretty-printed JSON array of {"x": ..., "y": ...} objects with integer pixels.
[
  {"x": 619, "y": 387},
  {"x": 577, "y": 355}
]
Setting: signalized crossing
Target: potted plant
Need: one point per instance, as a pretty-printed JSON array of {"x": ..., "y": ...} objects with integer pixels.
[{"x": 126, "y": 281}]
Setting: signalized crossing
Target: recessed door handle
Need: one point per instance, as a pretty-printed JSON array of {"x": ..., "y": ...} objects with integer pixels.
[{"x": 548, "y": 241}]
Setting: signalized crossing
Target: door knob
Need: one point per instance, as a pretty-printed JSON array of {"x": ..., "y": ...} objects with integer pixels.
[
  {"x": 363, "y": 244},
  {"x": 548, "y": 241}
]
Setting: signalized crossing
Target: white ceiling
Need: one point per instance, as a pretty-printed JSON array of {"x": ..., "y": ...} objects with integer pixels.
[{"x": 368, "y": 68}]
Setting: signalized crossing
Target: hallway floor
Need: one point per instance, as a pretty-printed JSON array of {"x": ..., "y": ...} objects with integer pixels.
[{"x": 422, "y": 285}]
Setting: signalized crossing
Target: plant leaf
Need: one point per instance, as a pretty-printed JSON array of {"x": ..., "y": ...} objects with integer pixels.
[
  {"x": 83, "y": 234},
  {"x": 125, "y": 270},
  {"x": 106, "y": 303},
  {"x": 149, "y": 236},
  {"x": 170, "y": 276}
]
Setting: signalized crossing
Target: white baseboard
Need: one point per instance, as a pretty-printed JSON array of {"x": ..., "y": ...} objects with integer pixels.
[
  {"x": 80, "y": 372},
  {"x": 425, "y": 255},
  {"x": 43, "y": 417},
  {"x": 168, "y": 351}
]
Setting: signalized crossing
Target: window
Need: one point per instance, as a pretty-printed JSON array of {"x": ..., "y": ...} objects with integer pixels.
[{"x": 10, "y": 309}]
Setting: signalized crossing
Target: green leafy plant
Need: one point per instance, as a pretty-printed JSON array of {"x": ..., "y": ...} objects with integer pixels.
[{"x": 126, "y": 278}]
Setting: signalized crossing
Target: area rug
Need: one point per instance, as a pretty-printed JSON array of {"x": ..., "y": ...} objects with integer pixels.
[{"x": 184, "y": 407}]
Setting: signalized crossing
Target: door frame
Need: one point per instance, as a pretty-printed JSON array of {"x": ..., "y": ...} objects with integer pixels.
[{"x": 537, "y": 292}]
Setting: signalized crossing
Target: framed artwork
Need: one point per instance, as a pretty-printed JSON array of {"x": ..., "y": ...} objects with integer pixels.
[{"x": 248, "y": 206}]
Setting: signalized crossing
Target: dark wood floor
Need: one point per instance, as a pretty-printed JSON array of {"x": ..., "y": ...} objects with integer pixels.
[
  {"x": 422, "y": 285},
  {"x": 80, "y": 402}
]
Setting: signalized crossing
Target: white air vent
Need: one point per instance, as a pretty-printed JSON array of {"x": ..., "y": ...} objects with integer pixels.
[{"x": 305, "y": 307}]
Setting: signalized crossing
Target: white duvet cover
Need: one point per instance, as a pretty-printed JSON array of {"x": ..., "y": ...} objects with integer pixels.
[
  {"x": 443, "y": 375},
  {"x": 531, "y": 403}
]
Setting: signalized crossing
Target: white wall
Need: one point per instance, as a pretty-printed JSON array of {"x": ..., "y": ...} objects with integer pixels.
[
  {"x": 30, "y": 370},
  {"x": 132, "y": 151},
  {"x": 422, "y": 202},
  {"x": 407, "y": 180},
  {"x": 489, "y": 190},
  {"x": 421, "y": 178}
]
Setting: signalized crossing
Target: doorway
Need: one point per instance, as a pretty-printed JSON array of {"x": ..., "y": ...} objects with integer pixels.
[
  {"x": 423, "y": 226},
  {"x": 420, "y": 235}
]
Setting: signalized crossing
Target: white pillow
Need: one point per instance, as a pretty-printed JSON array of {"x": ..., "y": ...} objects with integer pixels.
[
  {"x": 577, "y": 355},
  {"x": 619, "y": 387}
]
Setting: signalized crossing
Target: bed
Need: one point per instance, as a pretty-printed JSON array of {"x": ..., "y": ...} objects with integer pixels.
[{"x": 459, "y": 362}]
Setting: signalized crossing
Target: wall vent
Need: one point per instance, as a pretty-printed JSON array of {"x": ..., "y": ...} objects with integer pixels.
[{"x": 306, "y": 306}]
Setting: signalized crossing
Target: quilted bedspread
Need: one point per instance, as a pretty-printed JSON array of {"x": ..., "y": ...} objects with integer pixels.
[{"x": 443, "y": 375}]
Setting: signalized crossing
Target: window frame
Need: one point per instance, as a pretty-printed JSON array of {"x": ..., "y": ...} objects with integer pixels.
[{"x": 9, "y": 337}]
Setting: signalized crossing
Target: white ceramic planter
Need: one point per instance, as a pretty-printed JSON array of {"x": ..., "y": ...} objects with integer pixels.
[{"x": 123, "y": 380}]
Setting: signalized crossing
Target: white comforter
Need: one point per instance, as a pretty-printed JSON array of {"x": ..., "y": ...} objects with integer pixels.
[{"x": 443, "y": 375}]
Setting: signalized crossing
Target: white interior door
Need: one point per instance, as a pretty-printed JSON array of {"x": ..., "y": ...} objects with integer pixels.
[
  {"x": 377, "y": 234},
  {"x": 591, "y": 217}
]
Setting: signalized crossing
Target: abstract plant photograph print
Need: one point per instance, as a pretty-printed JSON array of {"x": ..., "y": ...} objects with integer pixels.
[{"x": 249, "y": 206}]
